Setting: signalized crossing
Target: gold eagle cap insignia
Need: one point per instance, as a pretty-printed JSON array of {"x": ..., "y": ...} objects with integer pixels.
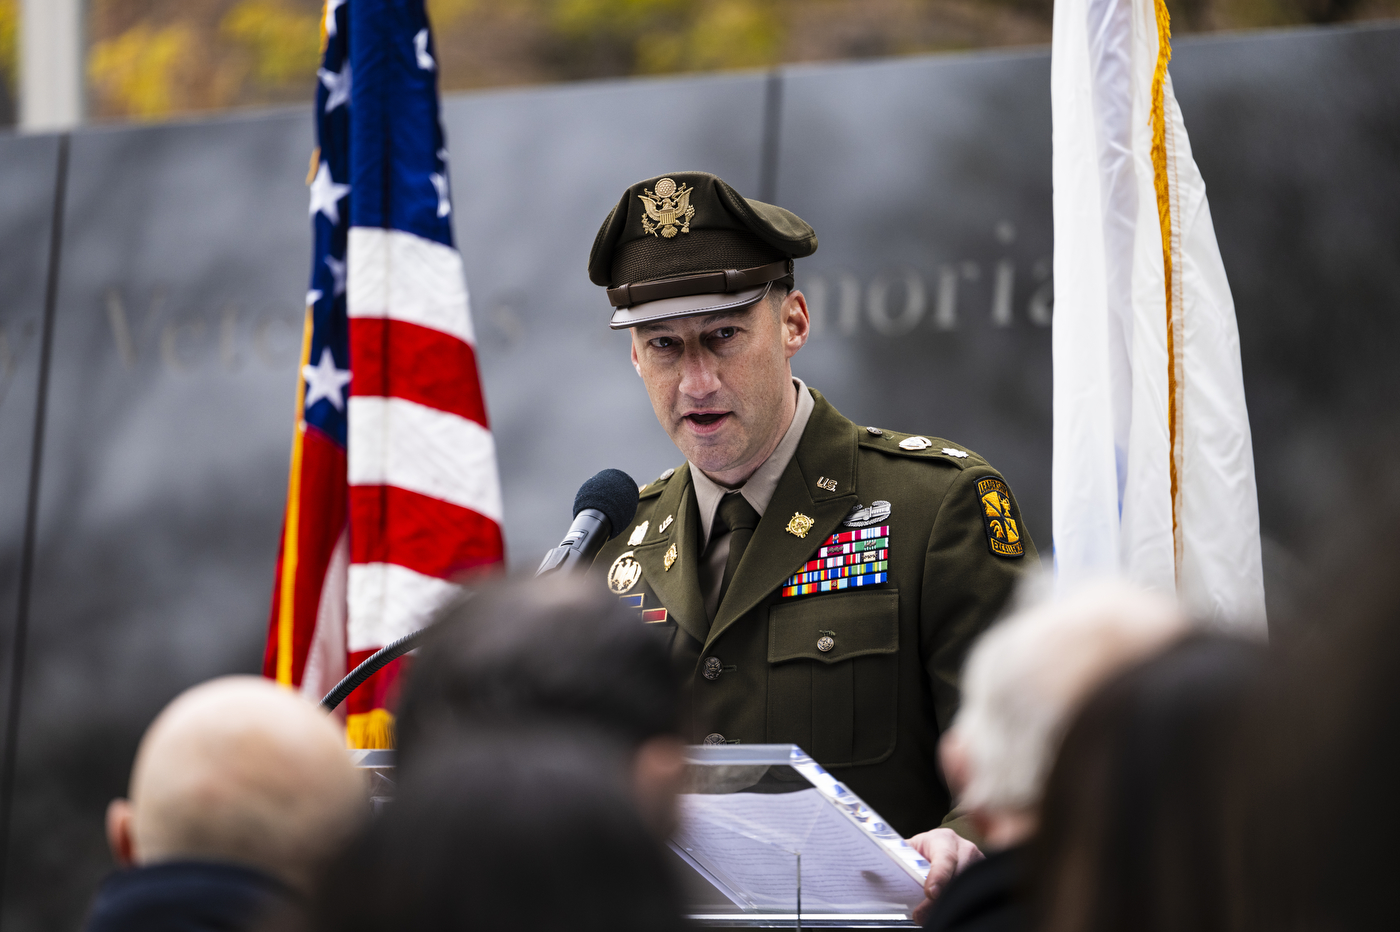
[{"x": 668, "y": 208}]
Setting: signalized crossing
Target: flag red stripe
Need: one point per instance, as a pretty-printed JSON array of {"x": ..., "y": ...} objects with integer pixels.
[
  {"x": 322, "y": 510},
  {"x": 427, "y": 535},
  {"x": 396, "y": 359}
]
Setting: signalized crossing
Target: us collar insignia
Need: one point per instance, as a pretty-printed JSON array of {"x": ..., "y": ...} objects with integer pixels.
[
  {"x": 799, "y": 525},
  {"x": 1003, "y": 531},
  {"x": 825, "y": 483},
  {"x": 668, "y": 207},
  {"x": 665, "y": 524},
  {"x": 846, "y": 560},
  {"x": 624, "y": 573},
  {"x": 638, "y": 533},
  {"x": 670, "y": 558},
  {"x": 864, "y": 517}
]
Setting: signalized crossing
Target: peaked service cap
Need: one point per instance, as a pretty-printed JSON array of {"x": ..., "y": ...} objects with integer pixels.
[{"x": 686, "y": 243}]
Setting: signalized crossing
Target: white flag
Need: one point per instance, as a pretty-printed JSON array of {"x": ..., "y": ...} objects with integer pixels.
[{"x": 1153, "y": 465}]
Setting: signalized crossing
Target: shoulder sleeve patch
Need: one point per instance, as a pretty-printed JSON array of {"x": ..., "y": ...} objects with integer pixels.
[{"x": 1003, "y": 527}]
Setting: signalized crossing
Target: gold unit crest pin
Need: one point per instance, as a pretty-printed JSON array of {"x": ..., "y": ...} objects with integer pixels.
[{"x": 668, "y": 209}]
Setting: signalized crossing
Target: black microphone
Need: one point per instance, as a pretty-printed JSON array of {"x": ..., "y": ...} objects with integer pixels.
[{"x": 604, "y": 505}]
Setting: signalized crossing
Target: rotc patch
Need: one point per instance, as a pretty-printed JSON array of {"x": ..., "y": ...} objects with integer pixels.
[
  {"x": 844, "y": 561},
  {"x": 1003, "y": 531}
]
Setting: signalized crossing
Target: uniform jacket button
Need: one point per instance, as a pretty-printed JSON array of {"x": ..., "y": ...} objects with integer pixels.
[
  {"x": 825, "y": 643},
  {"x": 715, "y": 738},
  {"x": 712, "y": 668}
]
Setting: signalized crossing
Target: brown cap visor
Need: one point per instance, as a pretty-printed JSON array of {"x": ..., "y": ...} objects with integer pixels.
[
  {"x": 724, "y": 282},
  {"x": 689, "y": 305}
]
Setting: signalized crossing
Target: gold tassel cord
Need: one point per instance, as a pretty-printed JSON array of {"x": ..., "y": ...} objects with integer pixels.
[
  {"x": 1162, "y": 183},
  {"x": 286, "y": 605},
  {"x": 370, "y": 730}
]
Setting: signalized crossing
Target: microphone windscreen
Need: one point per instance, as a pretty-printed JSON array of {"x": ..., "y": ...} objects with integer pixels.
[{"x": 613, "y": 493}]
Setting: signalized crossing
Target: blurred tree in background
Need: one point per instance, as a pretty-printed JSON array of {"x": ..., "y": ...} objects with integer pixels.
[{"x": 152, "y": 59}]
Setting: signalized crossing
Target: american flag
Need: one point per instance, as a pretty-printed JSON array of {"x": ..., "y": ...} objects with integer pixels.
[{"x": 394, "y": 491}]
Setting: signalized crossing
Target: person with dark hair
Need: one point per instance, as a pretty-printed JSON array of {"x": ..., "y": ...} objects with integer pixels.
[
  {"x": 1334, "y": 739},
  {"x": 1141, "y": 822},
  {"x": 1024, "y": 681},
  {"x": 557, "y": 653},
  {"x": 527, "y": 831}
]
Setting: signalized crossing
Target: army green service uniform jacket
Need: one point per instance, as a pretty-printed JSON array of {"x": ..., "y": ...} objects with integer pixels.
[{"x": 864, "y": 679}]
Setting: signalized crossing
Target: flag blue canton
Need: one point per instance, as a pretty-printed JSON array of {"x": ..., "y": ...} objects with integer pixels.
[
  {"x": 399, "y": 163},
  {"x": 327, "y": 372}
]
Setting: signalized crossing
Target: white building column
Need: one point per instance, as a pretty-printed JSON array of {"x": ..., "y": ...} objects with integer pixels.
[{"x": 51, "y": 65}]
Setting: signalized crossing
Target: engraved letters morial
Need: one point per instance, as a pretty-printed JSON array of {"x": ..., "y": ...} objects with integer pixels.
[
  {"x": 668, "y": 209},
  {"x": 799, "y": 525},
  {"x": 624, "y": 573}
]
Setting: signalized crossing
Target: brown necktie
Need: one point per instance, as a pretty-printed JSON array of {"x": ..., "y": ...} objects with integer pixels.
[{"x": 738, "y": 517}]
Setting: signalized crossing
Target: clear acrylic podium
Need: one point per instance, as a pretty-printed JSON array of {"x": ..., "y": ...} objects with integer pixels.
[
  {"x": 767, "y": 838},
  {"x": 770, "y": 839}
]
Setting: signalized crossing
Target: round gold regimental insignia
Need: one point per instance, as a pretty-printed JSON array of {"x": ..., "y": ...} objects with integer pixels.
[
  {"x": 624, "y": 573},
  {"x": 799, "y": 525}
]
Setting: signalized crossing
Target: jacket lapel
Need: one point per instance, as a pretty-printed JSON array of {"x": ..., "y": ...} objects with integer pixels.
[
  {"x": 827, "y": 451},
  {"x": 678, "y": 588}
]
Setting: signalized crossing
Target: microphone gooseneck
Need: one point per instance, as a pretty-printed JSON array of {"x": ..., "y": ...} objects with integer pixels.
[{"x": 604, "y": 505}]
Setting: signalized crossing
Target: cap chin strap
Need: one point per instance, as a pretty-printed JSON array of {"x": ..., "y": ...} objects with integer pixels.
[{"x": 724, "y": 282}]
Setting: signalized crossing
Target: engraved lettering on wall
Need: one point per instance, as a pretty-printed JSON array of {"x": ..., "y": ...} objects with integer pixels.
[{"x": 153, "y": 331}]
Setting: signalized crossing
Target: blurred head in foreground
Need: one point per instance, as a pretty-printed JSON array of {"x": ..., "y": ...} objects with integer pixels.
[
  {"x": 238, "y": 785},
  {"x": 1024, "y": 680},
  {"x": 557, "y": 653},
  {"x": 1323, "y": 850},
  {"x": 526, "y": 831},
  {"x": 1143, "y": 812}
]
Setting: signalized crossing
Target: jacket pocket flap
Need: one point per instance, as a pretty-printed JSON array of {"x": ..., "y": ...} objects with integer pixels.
[{"x": 834, "y": 627}]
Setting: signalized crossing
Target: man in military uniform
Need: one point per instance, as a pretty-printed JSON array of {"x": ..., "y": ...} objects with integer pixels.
[{"x": 820, "y": 582}]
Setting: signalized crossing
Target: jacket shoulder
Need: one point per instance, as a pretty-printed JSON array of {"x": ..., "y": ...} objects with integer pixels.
[
  {"x": 919, "y": 446},
  {"x": 655, "y": 487}
]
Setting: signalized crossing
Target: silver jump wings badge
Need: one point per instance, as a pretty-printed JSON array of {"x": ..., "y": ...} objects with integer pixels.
[{"x": 668, "y": 209}]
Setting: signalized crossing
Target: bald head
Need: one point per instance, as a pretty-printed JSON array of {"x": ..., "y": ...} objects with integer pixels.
[
  {"x": 1027, "y": 676},
  {"x": 239, "y": 769}
]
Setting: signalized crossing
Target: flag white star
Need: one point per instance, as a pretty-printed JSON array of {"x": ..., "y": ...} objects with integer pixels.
[
  {"x": 331, "y": 7},
  {"x": 324, "y": 380},
  {"x": 337, "y": 267},
  {"x": 313, "y": 296},
  {"x": 420, "y": 49},
  {"x": 444, "y": 200},
  {"x": 326, "y": 193},
  {"x": 338, "y": 83}
]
